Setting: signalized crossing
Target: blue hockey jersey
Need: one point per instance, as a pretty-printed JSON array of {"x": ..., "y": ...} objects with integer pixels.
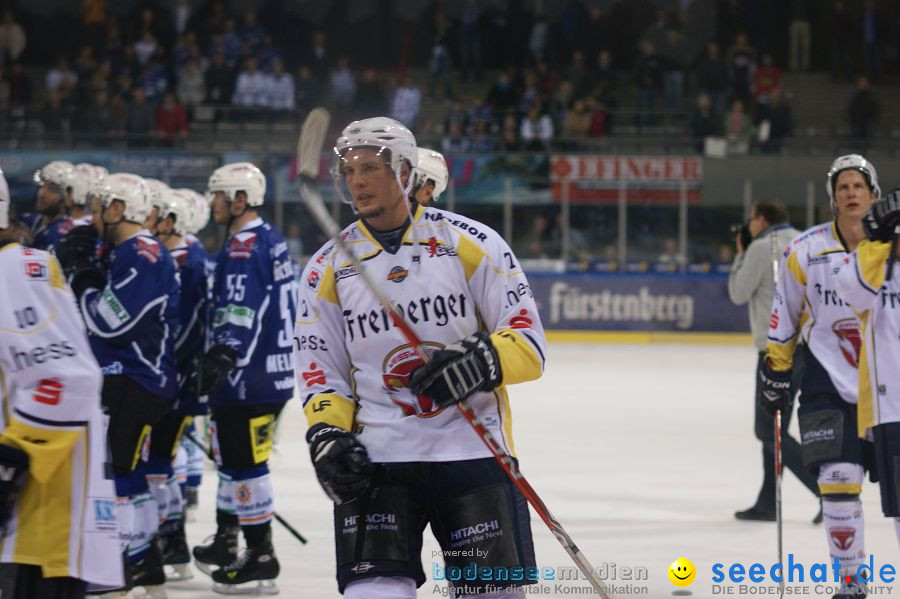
[
  {"x": 253, "y": 307},
  {"x": 45, "y": 236},
  {"x": 193, "y": 320},
  {"x": 133, "y": 320}
]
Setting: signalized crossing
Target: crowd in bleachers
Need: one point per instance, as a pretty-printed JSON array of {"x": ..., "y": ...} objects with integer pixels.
[{"x": 686, "y": 68}]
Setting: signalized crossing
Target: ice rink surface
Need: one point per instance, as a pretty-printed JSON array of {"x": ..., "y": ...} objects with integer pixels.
[{"x": 643, "y": 452}]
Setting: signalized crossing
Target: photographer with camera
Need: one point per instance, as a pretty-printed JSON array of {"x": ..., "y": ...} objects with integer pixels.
[{"x": 760, "y": 244}]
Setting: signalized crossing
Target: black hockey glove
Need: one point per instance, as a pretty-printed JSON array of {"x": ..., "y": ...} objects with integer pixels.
[
  {"x": 774, "y": 389},
  {"x": 211, "y": 369},
  {"x": 76, "y": 250},
  {"x": 87, "y": 278},
  {"x": 459, "y": 370},
  {"x": 14, "y": 463},
  {"x": 341, "y": 462},
  {"x": 881, "y": 221}
]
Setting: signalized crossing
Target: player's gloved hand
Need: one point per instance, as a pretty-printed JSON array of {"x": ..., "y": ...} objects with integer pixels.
[
  {"x": 881, "y": 221},
  {"x": 211, "y": 369},
  {"x": 76, "y": 250},
  {"x": 774, "y": 389},
  {"x": 341, "y": 462},
  {"x": 86, "y": 278},
  {"x": 15, "y": 464},
  {"x": 459, "y": 370}
]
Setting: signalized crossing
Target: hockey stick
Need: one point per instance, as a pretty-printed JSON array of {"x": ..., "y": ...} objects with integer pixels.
[
  {"x": 190, "y": 437},
  {"x": 309, "y": 148},
  {"x": 778, "y": 465}
]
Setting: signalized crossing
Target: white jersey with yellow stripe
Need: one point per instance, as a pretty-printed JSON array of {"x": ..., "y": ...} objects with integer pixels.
[
  {"x": 450, "y": 277},
  {"x": 807, "y": 306},
  {"x": 863, "y": 284},
  {"x": 64, "y": 519}
]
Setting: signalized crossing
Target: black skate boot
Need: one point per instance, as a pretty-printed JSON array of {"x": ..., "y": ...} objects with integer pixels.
[
  {"x": 852, "y": 589},
  {"x": 253, "y": 573},
  {"x": 176, "y": 555},
  {"x": 222, "y": 551},
  {"x": 149, "y": 573}
]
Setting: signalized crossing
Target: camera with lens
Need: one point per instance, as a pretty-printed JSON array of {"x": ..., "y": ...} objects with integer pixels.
[{"x": 742, "y": 231}]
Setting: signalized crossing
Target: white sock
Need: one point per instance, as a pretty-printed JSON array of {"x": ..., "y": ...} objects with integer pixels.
[
  {"x": 381, "y": 587},
  {"x": 844, "y": 533}
]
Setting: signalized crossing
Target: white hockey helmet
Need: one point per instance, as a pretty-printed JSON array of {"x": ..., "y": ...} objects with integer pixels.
[
  {"x": 239, "y": 176},
  {"x": 391, "y": 140},
  {"x": 852, "y": 162},
  {"x": 129, "y": 189},
  {"x": 56, "y": 172},
  {"x": 181, "y": 206},
  {"x": 200, "y": 210},
  {"x": 158, "y": 191},
  {"x": 80, "y": 185},
  {"x": 94, "y": 172},
  {"x": 432, "y": 167},
  {"x": 4, "y": 202}
]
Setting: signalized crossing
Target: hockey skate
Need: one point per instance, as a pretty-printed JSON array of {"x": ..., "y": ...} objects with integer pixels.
[
  {"x": 253, "y": 573},
  {"x": 852, "y": 589},
  {"x": 176, "y": 557},
  {"x": 149, "y": 574},
  {"x": 221, "y": 551}
]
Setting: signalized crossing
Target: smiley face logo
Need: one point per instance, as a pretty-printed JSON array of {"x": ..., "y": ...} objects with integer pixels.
[{"x": 682, "y": 572}]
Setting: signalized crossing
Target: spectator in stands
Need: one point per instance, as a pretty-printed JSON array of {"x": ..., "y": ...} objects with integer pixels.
[
  {"x": 181, "y": 16},
  {"x": 604, "y": 73},
  {"x": 154, "y": 79},
  {"x": 648, "y": 78},
  {"x": 19, "y": 85},
  {"x": 118, "y": 115},
  {"x": 781, "y": 123},
  {"x": 251, "y": 31},
  {"x": 97, "y": 120},
  {"x": 455, "y": 141},
  {"x": 319, "y": 58},
  {"x": 765, "y": 79},
  {"x": 478, "y": 111},
  {"x": 267, "y": 53},
  {"x": 670, "y": 253},
  {"x": 509, "y": 141},
  {"x": 530, "y": 96},
  {"x": 231, "y": 40},
  {"x": 219, "y": 80},
  {"x": 705, "y": 122},
  {"x": 139, "y": 119},
  {"x": 61, "y": 72},
  {"x": 406, "y": 103},
  {"x": 191, "y": 84},
  {"x": 862, "y": 110},
  {"x": 601, "y": 122},
  {"x": 12, "y": 38},
  {"x": 712, "y": 77},
  {"x": 577, "y": 124},
  {"x": 56, "y": 116},
  {"x": 457, "y": 113},
  {"x": 342, "y": 87},
  {"x": 578, "y": 74},
  {"x": 741, "y": 62},
  {"x": 738, "y": 127},
  {"x": 171, "y": 123},
  {"x": 482, "y": 141},
  {"x": 440, "y": 64},
  {"x": 251, "y": 88},
  {"x": 308, "y": 90},
  {"x": 145, "y": 47},
  {"x": 873, "y": 40},
  {"x": 501, "y": 94},
  {"x": 801, "y": 11},
  {"x": 112, "y": 43},
  {"x": 470, "y": 41},
  {"x": 536, "y": 131},
  {"x": 281, "y": 90}
]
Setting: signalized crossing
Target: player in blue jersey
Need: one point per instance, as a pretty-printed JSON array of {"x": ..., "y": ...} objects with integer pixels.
[
  {"x": 249, "y": 374},
  {"x": 49, "y": 221}
]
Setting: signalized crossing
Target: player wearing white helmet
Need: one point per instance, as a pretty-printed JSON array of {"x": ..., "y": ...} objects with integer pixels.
[
  {"x": 129, "y": 302},
  {"x": 248, "y": 374},
  {"x": 385, "y": 436},
  {"x": 808, "y": 306},
  {"x": 158, "y": 191},
  {"x": 49, "y": 222},
  {"x": 58, "y": 524},
  {"x": 85, "y": 183},
  {"x": 431, "y": 177}
]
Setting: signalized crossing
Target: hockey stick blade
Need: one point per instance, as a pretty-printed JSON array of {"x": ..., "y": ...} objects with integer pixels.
[
  {"x": 316, "y": 207},
  {"x": 309, "y": 144},
  {"x": 296, "y": 534}
]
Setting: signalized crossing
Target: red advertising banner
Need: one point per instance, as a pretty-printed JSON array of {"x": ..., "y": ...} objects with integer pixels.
[{"x": 647, "y": 179}]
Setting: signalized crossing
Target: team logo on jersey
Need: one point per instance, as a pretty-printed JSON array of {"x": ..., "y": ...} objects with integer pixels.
[
  {"x": 397, "y": 367},
  {"x": 345, "y": 273},
  {"x": 849, "y": 339},
  {"x": 242, "y": 494},
  {"x": 398, "y": 274},
  {"x": 148, "y": 249},
  {"x": 313, "y": 279},
  {"x": 773, "y": 320},
  {"x": 521, "y": 321},
  {"x": 438, "y": 249},
  {"x": 842, "y": 537},
  {"x": 35, "y": 270},
  {"x": 314, "y": 376},
  {"x": 241, "y": 245},
  {"x": 48, "y": 391},
  {"x": 324, "y": 255}
]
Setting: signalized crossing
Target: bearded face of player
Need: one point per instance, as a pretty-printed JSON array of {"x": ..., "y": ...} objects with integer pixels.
[
  {"x": 373, "y": 185},
  {"x": 852, "y": 195},
  {"x": 50, "y": 200}
]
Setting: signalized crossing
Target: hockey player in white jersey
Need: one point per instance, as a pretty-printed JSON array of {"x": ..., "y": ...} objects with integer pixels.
[
  {"x": 57, "y": 507},
  {"x": 388, "y": 444},
  {"x": 869, "y": 280},
  {"x": 429, "y": 177},
  {"x": 808, "y": 306}
]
